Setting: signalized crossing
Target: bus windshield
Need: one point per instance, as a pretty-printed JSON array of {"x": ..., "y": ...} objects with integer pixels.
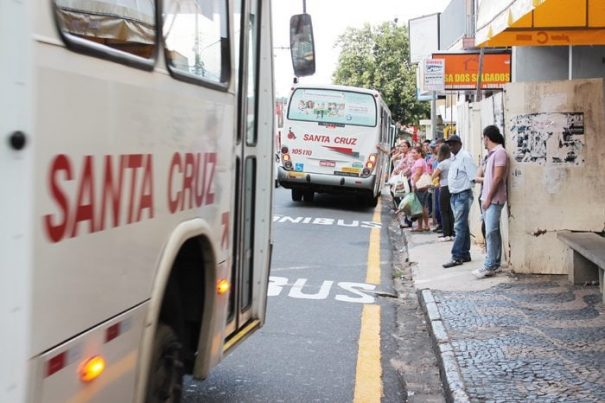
[{"x": 333, "y": 107}]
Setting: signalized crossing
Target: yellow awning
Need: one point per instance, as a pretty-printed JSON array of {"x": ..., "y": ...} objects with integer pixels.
[{"x": 540, "y": 23}]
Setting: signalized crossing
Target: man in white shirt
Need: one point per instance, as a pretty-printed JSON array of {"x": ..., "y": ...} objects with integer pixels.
[{"x": 460, "y": 181}]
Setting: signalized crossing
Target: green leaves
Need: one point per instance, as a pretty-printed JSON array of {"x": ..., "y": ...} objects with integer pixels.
[{"x": 378, "y": 57}]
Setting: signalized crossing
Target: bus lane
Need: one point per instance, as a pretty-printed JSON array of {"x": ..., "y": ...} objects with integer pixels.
[{"x": 328, "y": 335}]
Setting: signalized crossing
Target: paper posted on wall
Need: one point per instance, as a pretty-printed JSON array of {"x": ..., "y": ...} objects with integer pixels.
[{"x": 553, "y": 138}]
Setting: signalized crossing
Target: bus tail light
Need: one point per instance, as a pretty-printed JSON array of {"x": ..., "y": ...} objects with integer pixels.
[
  {"x": 371, "y": 163},
  {"x": 286, "y": 159},
  {"x": 92, "y": 368},
  {"x": 222, "y": 286}
]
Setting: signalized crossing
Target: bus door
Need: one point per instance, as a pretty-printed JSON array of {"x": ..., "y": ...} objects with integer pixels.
[{"x": 247, "y": 29}]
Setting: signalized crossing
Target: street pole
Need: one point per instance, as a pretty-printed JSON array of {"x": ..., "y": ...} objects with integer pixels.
[
  {"x": 304, "y": 6},
  {"x": 478, "y": 93},
  {"x": 434, "y": 115}
]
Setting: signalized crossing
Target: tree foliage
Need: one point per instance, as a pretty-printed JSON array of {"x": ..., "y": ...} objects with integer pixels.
[{"x": 377, "y": 57}]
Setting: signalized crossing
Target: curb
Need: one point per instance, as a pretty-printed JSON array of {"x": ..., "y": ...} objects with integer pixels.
[{"x": 448, "y": 365}]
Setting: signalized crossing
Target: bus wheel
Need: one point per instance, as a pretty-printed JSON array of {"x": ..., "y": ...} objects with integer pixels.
[
  {"x": 165, "y": 382},
  {"x": 297, "y": 194},
  {"x": 308, "y": 195},
  {"x": 372, "y": 201}
]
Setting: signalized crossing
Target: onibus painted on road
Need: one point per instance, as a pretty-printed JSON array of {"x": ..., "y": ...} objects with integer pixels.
[
  {"x": 136, "y": 171},
  {"x": 335, "y": 139}
]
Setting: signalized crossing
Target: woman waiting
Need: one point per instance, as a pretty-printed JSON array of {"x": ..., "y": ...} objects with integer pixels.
[
  {"x": 420, "y": 167},
  {"x": 447, "y": 216},
  {"x": 404, "y": 159}
]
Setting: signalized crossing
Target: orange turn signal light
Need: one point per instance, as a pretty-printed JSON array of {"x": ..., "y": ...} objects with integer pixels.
[
  {"x": 222, "y": 286},
  {"x": 286, "y": 157},
  {"x": 92, "y": 368}
]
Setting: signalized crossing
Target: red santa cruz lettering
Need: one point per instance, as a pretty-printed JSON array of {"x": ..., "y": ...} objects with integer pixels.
[
  {"x": 316, "y": 138},
  {"x": 345, "y": 140},
  {"x": 125, "y": 179},
  {"x": 191, "y": 181}
]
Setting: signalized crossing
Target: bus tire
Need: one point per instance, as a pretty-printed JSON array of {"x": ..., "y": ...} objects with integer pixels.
[
  {"x": 308, "y": 195},
  {"x": 165, "y": 383},
  {"x": 297, "y": 195},
  {"x": 372, "y": 201}
]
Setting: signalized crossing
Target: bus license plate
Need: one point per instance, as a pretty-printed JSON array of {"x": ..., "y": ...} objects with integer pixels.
[
  {"x": 342, "y": 173},
  {"x": 350, "y": 170}
]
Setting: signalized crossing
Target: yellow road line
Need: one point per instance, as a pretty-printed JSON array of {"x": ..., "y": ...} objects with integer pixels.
[
  {"x": 373, "y": 274},
  {"x": 368, "y": 377}
]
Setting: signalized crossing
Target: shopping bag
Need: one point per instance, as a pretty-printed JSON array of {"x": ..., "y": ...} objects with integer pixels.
[
  {"x": 399, "y": 185},
  {"x": 416, "y": 208},
  {"x": 410, "y": 205}
]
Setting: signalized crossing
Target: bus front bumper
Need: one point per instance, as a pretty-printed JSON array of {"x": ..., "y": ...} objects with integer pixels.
[{"x": 324, "y": 182}]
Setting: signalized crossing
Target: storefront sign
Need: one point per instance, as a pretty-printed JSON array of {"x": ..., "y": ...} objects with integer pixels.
[{"x": 462, "y": 70}]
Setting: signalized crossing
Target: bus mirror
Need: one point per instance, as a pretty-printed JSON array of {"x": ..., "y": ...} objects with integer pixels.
[{"x": 302, "y": 47}]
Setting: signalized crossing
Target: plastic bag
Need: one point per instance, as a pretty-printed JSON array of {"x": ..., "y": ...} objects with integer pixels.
[
  {"x": 411, "y": 205},
  {"x": 399, "y": 185}
]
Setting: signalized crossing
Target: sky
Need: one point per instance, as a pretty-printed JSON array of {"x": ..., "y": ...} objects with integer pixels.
[{"x": 330, "y": 19}]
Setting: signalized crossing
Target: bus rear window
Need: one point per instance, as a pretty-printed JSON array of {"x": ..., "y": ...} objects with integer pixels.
[{"x": 332, "y": 106}]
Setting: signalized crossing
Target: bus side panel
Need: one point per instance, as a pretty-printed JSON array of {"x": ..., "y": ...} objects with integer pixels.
[
  {"x": 16, "y": 195},
  {"x": 116, "y": 341},
  {"x": 123, "y": 157}
]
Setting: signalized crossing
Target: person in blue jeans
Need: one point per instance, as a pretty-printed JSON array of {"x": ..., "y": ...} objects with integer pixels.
[
  {"x": 493, "y": 197},
  {"x": 460, "y": 180}
]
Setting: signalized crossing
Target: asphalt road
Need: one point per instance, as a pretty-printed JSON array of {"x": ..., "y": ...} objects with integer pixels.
[{"x": 315, "y": 347}]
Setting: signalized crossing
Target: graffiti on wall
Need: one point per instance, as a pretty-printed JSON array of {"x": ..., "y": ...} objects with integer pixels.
[{"x": 553, "y": 138}]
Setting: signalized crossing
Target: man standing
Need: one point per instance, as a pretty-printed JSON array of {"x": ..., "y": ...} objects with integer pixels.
[
  {"x": 460, "y": 176},
  {"x": 493, "y": 197}
]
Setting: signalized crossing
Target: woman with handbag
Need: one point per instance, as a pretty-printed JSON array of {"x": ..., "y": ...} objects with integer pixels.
[{"x": 421, "y": 182}]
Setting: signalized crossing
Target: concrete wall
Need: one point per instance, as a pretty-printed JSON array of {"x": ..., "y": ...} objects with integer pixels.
[{"x": 555, "y": 133}]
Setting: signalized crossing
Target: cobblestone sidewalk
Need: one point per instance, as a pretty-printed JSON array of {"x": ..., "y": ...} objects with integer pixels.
[{"x": 534, "y": 339}]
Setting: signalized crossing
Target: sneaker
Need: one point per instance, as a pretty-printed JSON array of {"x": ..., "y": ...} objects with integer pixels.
[
  {"x": 483, "y": 272},
  {"x": 452, "y": 263},
  {"x": 438, "y": 229},
  {"x": 444, "y": 238},
  {"x": 466, "y": 259},
  {"x": 496, "y": 270}
]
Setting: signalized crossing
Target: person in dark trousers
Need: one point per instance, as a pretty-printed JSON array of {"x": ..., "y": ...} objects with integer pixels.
[
  {"x": 460, "y": 179},
  {"x": 440, "y": 172}
]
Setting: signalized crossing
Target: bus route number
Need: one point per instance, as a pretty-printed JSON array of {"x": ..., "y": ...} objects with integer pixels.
[{"x": 300, "y": 151}]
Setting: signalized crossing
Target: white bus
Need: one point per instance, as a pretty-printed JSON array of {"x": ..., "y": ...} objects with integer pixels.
[
  {"x": 136, "y": 166},
  {"x": 335, "y": 139}
]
